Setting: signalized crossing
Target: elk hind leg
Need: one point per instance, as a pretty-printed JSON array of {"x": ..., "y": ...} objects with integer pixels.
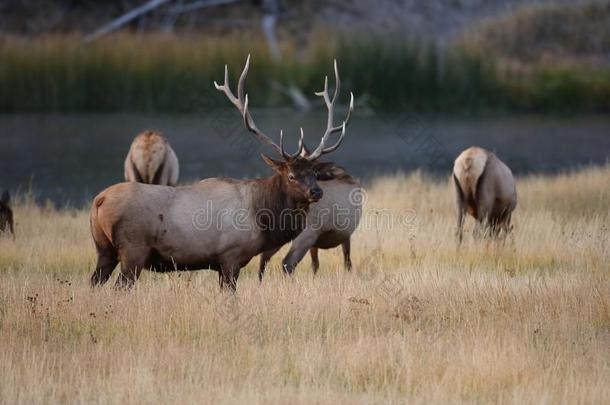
[
  {"x": 347, "y": 260},
  {"x": 107, "y": 259},
  {"x": 132, "y": 264},
  {"x": 460, "y": 203},
  {"x": 505, "y": 227}
]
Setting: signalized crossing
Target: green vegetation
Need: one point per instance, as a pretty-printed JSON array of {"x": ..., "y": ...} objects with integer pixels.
[{"x": 176, "y": 74}]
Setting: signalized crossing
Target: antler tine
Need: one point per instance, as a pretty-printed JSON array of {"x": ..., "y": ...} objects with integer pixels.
[
  {"x": 241, "y": 103},
  {"x": 225, "y": 88},
  {"x": 299, "y": 151},
  {"x": 242, "y": 79},
  {"x": 324, "y": 93},
  {"x": 340, "y": 128},
  {"x": 301, "y": 144},
  {"x": 337, "y": 83},
  {"x": 336, "y": 145},
  {"x": 251, "y": 126},
  {"x": 330, "y": 105}
]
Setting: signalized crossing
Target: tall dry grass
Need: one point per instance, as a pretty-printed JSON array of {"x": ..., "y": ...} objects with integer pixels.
[{"x": 416, "y": 321}]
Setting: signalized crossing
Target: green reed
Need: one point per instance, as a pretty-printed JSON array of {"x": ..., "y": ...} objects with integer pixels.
[{"x": 176, "y": 74}]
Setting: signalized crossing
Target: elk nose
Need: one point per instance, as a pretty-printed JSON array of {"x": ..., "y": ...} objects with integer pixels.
[{"x": 315, "y": 194}]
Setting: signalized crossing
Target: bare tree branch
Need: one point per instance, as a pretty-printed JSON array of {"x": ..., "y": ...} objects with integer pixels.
[
  {"x": 199, "y": 4},
  {"x": 125, "y": 18}
]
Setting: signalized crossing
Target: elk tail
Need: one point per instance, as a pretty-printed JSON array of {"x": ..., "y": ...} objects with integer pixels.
[
  {"x": 155, "y": 161},
  {"x": 148, "y": 156},
  {"x": 458, "y": 188},
  {"x": 100, "y": 236},
  {"x": 480, "y": 181},
  {"x": 468, "y": 170}
]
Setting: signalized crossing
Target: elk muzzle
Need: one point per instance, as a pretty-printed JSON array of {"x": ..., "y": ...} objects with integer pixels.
[{"x": 315, "y": 194}]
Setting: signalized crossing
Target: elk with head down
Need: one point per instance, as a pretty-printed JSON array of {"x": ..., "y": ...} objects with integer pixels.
[
  {"x": 151, "y": 160},
  {"x": 334, "y": 218},
  {"x": 217, "y": 224},
  {"x": 485, "y": 189},
  {"x": 6, "y": 213}
]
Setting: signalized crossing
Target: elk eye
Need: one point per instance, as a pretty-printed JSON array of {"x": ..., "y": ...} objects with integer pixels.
[{"x": 291, "y": 177}]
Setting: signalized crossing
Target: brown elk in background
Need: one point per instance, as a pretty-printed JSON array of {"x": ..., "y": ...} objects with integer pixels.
[
  {"x": 151, "y": 160},
  {"x": 6, "y": 213},
  {"x": 485, "y": 189},
  {"x": 335, "y": 217},
  {"x": 217, "y": 224},
  {"x": 330, "y": 222}
]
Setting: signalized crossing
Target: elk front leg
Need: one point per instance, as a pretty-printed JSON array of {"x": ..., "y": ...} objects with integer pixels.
[
  {"x": 299, "y": 247},
  {"x": 265, "y": 258},
  {"x": 315, "y": 261},
  {"x": 229, "y": 273}
]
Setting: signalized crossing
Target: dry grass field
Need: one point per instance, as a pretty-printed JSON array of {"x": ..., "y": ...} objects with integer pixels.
[{"x": 417, "y": 321}]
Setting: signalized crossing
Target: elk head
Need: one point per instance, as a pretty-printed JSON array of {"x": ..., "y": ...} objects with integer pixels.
[
  {"x": 6, "y": 214},
  {"x": 297, "y": 170}
]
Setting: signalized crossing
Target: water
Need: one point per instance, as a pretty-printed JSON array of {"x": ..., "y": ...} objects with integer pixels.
[{"x": 70, "y": 158}]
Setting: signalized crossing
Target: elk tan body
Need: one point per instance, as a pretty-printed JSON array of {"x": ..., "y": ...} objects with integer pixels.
[
  {"x": 329, "y": 223},
  {"x": 210, "y": 225},
  {"x": 485, "y": 189},
  {"x": 151, "y": 160}
]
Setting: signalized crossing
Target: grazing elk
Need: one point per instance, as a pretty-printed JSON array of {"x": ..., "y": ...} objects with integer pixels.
[
  {"x": 334, "y": 218},
  {"x": 6, "y": 214},
  {"x": 151, "y": 160},
  {"x": 218, "y": 223},
  {"x": 485, "y": 189}
]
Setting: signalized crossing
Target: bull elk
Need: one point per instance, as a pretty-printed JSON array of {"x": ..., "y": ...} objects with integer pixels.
[
  {"x": 331, "y": 221},
  {"x": 218, "y": 223},
  {"x": 485, "y": 189},
  {"x": 6, "y": 214},
  {"x": 151, "y": 160}
]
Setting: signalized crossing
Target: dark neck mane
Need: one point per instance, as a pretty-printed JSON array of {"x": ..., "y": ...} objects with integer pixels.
[
  {"x": 331, "y": 171},
  {"x": 278, "y": 216}
]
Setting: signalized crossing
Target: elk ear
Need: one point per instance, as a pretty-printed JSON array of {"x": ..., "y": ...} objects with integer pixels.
[
  {"x": 274, "y": 164},
  {"x": 6, "y": 197}
]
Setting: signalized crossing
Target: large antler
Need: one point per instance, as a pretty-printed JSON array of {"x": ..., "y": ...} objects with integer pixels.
[
  {"x": 241, "y": 103},
  {"x": 330, "y": 129}
]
